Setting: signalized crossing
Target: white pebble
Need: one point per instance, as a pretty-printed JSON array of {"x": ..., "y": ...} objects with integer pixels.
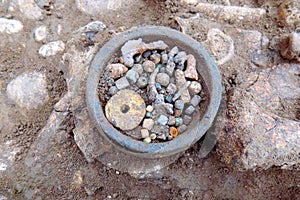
[
  {"x": 10, "y": 26},
  {"x": 40, "y": 33},
  {"x": 52, "y": 48}
]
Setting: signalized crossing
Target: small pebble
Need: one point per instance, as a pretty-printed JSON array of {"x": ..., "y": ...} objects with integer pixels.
[
  {"x": 195, "y": 100},
  {"x": 191, "y": 71},
  {"x": 195, "y": 87},
  {"x": 162, "y": 136},
  {"x": 174, "y": 51},
  {"x": 178, "y": 121},
  {"x": 187, "y": 119},
  {"x": 144, "y": 133},
  {"x": 182, "y": 128},
  {"x": 180, "y": 57},
  {"x": 138, "y": 68},
  {"x": 158, "y": 86},
  {"x": 148, "y": 124},
  {"x": 155, "y": 58},
  {"x": 172, "y": 88},
  {"x": 122, "y": 83},
  {"x": 153, "y": 136},
  {"x": 40, "y": 33},
  {"x": 177, "y": 112},
  {"x": 170, "y": 68},
  {"x": 163, "y": 79},
  {"x": 190, "y": 110},
  {"x": 116, "y": 70},
  {"x": 173, "y": 132},
  {"x": 142, "y": 82},
  {"x": 159, "y": 66},
  {"x": 149, "y": 108},
  {"x": 171, "y": 120},
  {"x": 179, "y": 104},
  {"x": 147, "y": 140},
  {"x": 164, "y": 58},
  {"x": 162, "y": 120},
  {"x": 169, "y": 99},
  {"x": 113, "y": 90},
  {"x": 148, "y": 114},
  {"x": 148, "y": 66},
  {"x": 52, "y": 48},
  {"x": 169, "y": 108},
  {"x": 160, "y": 99},
  {"x": 132, "y": 76}
]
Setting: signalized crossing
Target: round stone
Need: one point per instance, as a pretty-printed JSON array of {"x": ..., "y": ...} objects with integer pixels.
[
  {"x": 163, "y": 79},
  {"x": 148, "y": 66},
  {"x": 125, "y": 105},
  {"x": 28, "y": 90}
]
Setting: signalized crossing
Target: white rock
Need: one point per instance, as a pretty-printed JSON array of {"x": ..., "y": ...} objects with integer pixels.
[
  {"x": 52, "y": 48},
  {"x": 94, "y": 7},
  {"x": 10, "y": 26},
  {"x": 28, "y": 90},
  {"x": 40, "y": 33},
  {"x": 30, "y": 9}
]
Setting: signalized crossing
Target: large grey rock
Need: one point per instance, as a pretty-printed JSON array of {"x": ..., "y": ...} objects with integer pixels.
[
  {"x": 28, "y": 90},
  {"x": 263, "y": 130}
]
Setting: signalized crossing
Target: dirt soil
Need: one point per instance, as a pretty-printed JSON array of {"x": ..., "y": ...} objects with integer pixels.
[{"x": 68, "y": 175}]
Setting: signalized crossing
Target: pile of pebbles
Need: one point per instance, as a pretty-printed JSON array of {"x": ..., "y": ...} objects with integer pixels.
[{"x": 159, "y": 88}]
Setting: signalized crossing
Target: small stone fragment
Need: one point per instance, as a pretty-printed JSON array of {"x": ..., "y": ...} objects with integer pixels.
[
  {"x": 190, "y": 110},
  {"x": 182, "y": 90},
  {"x": 153, "y": 136},
  {"x": 132, "y": 76},
  {"x": 187, "y": 119},
  {"x": 52, "y": 48},
  {"x": 179, "y": 78},
  {"x": 148, "y": 66},
  {"x": 195, "y": 87},
  {"x": 170, "y": 68},
  {"x": 40, "y": 33},
  {"x": 191, "y": 71},
  {"x": 178, "y": 121},
  {"x": 149, "y": 108},
  {"x": 177, "y": 112},
  {"x": 147, "y": 140},
  {"x": 10, "y": 26},
  {"x": 122, "y": 83},
  {"x": 113, "y": 90},
  {"x": 179, "y": 104},
  {"x": 169, "y": 108},
  {"x": 138, "y": 68},
  {"x": 144, "y": 133},
  {"x": 159, "y": 99},
  {"x": 116, "y": 70},
  {"x": 148, "y": 124},
  {"x": 142, "y": 82},
  {"x": 155, "y": 58},
  {"x": 195, "y": 100},
  {"x": 171, "y": 89},
  {"x": 162, "y": 120},
  {"x": 174, "y": 51},
  {"x": 161, "y": 136},
  {"x": 169, "y": 99},
  {"x": 137, "y": 58},
  {"x": 180, "y": 57},
  {"x": 182, "y": 128},
  {"x": 164, "y": 58},
  {"x": 148, "y": 114},
  {"x": 94, "y": 26},
  {"x": 158, "y": 86},
  {"x": 163, "y": 79},
  {"x": 171, "y": 120}
]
